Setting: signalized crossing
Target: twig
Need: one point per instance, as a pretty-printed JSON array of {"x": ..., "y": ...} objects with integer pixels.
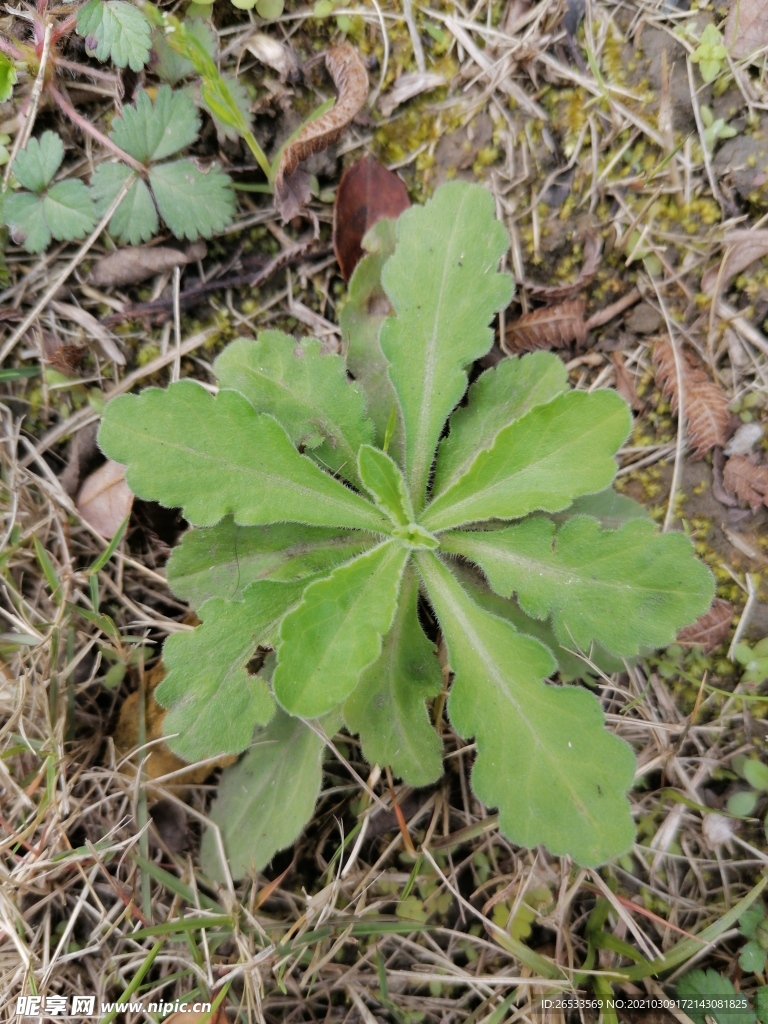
[
  {"x": 62, "y": 277},
  {"x": 22, "y": 137},
  {"x": 90, "y": 129}
]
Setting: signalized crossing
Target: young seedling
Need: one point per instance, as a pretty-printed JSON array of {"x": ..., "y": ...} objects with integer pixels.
[{"x": 325, "y": 511}]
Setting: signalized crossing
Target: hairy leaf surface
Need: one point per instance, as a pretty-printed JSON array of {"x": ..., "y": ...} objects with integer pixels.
[
  {"x": 216, "y": 456},
  {"x": 624, "y": 589},
  {"x": 498, "y": 397},
  {"x": 336, "y": 631},
  {"x": 194, "y": 202},
  {"x": 543, "y": 757},
  {"x": 266, "y": 799},
  {"x": 608, "y": 507},
  {"x": 364, "y": 312},
  {"x": 442, "y": 312},
  {"x": 223, "y": 560},
  {"x": 306, "y": 391},
  {"x": 153, "y": 131},
  {"x": 383, "y": 480},
  {"x": 387, "y": 707},
  {"x": 214, "y": 703},
  {"x": 554, "y": 454}
]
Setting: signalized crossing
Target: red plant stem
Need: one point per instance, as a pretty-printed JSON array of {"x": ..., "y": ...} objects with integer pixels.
[
  {"x": 64, "y": 28},
  {"x": 93, "y": 131},
  {"x": 10, "y": 50}
]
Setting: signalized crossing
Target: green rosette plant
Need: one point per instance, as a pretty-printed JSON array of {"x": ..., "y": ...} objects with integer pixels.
[{"x": 325, "y": 509}]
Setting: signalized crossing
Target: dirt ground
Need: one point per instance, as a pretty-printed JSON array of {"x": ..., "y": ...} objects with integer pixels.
[{"x": 633, "y": 192}]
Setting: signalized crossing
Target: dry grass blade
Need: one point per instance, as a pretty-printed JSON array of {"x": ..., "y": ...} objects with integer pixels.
[
  {"x": 706, "y": 405},
  {"x": 346, "y": 68},
  {"x": 553, "y": 327},
  {"x": 711, "y": 629},
  {"x": 593, "y": 248},
  {"x": 747, "y": 480}
]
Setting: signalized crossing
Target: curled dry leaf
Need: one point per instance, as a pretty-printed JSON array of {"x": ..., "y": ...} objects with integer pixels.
[
  {"x": 746, "y": 28},
  {"x": 346, "y": 68},
  {"x": 275, "y": 55},
  {"x": 593, "y": 248},
  {"x": 552, "y": 327},
  {"x": 408, "y": 86},
  {"x": 105, "y": 499},
  {"x": 134, "y": 263},
  {"x": 710, "y": 629},
  {"x": 367, "y": 193},
  {"x": 747, "y": 480},
  {"x": 743, "y": 247},
  {"x": 704, "y": 402}
]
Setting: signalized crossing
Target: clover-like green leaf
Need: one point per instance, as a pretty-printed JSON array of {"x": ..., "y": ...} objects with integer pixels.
[
  {"x": 64, "y": 212},
  {"x": 218, "y": 456},
  {"x": 153, "y": 131},
  {"x": 36, "y": 164},
  {"x": 364, "y": 312},
  {"x": 383, "y": 480},
  {"x": 194, "y": 202},
  {"x": 498, "y": 397},
  {"x": 336, "y": 631},
  {"x": 308, "y": 392},
  {"x": 387, "y": 706},
  {"x": 553, "y": 454},
  {"x": 623, "y": 589},
  {"x": 214, "y": 703},
  {"x": 135, "y": 220},
  {"x": 265, "y": 800},
  {"x": 116, "y": 29},
  {"x": 544, "y": 757},
  {"x": 223, "y": 560},
  {"x": 442, "y": 312}
]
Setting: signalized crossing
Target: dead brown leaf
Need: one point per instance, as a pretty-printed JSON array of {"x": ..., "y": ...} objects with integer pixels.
[
  {"x": 105, "y": 499},
  {"x": 552, "y": 327},
  {"x": 625, "y": 385},
  {"x": 747, "y": 480},
  {"x": 68, "y": 359},
  {"x": 346, "y": 68},
  {"x": 135, "y": 263},
  {"x": 710, "y": 629},
  {"x": 593, "y": 248},
  {"x": 743, "y": 247},
  {"x": 704, "y": 402},
  {"x": 367, "y": 193},
  {"x": 746, "y": 27}
]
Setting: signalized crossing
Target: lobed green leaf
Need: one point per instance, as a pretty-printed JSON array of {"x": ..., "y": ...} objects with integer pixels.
[
  {"x": 153, "y": 131},
  {"x": 214, "y": 702},
  {"x": 135, "y": 220},
  {"x": 119, "y": 29},
  {"x": 443, "y": 285},
  {"x": 194, "y": 202},
  {"x": 218, "y": 456},
  {"x": 336, "y": 631},
  {"x": 624, "y": 589},
  {"x": 498, "y": 397},
  {"x": 387, "y": 706},
  {"x": 553, "y": 454},
  {"x": 65, "y": 212},
  {"x": 306, "y": 391},
  {"x": 543, "y": 757},
  {"x": 265, "y": 800},
  {"x": 36, "y": 164},
  {"x": 223, "y": 560}
]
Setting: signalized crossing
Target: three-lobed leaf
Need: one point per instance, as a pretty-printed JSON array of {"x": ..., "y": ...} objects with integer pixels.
[
  {"x": 36, "y": 164},
  {"x": 117, "y": 30},
  {"x": 544, "y": 757},
  {"x": 624, "y": 589}
]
